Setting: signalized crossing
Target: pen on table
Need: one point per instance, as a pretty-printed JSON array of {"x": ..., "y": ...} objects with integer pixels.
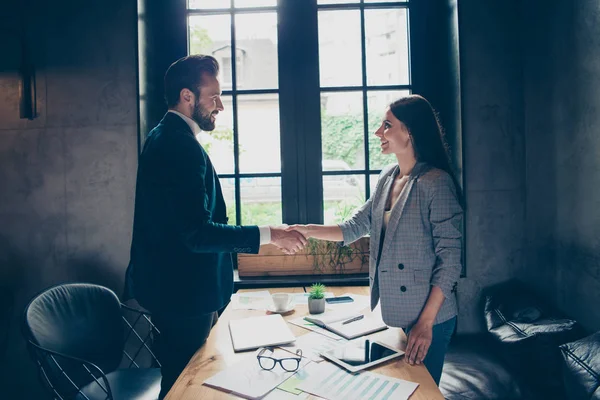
[{"x": 353, "y": 319}]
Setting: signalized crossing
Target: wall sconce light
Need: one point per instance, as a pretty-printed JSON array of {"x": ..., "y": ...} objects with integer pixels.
[{"x": 27, "y": 86}]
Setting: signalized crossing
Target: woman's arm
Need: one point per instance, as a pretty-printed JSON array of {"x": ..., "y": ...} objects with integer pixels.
[
  {"x": 348, "y": 231},
  {"x": 445, "y": 215},
  {"x": 421, "y": 334}
]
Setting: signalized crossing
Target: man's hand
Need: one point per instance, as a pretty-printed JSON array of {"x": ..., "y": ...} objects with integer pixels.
[
  {"x": 419, "y": 340},
  {"x": 304, "y": 230},
  {"x": 287, "y": 241}
]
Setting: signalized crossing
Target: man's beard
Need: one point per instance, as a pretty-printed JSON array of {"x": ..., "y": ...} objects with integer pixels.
[{"x": 204, "y": 119}]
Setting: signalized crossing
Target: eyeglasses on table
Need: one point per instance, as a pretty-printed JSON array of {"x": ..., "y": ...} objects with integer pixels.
[{"x": 289, "y": 364}]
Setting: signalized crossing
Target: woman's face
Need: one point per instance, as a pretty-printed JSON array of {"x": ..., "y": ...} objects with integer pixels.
[{"x": 393, "y": 135}]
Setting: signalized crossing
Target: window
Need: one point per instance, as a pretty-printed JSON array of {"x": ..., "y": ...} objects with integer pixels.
[
  {"x": 308, "y": 88},
  {"x": 245, "y": 146},
  {"x": 223, "y": 55},
  {"x": 359, "y": 77}
]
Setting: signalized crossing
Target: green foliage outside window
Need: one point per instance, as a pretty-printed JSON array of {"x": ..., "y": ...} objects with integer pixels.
[
  {"x": 257, "y": 213},
  {"x": 342, "y": 139},
  {"x": 222, "y": 134},
  {"x": 200, "y": 42}
]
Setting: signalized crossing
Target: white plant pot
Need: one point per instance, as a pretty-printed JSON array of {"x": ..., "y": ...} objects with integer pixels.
[{"x": 316, "y": 306}]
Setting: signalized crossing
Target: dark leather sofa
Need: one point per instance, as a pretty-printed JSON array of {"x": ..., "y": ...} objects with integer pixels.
[{"x": 529, "y": 351}]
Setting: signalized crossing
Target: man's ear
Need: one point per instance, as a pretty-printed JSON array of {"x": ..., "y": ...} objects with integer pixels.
[{"x": 185, "y": 95}]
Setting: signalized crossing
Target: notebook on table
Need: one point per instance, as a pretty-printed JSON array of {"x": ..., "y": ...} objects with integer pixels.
[
  {"x": 348, "y": 325},
  {"x": 254, "y": 332}
]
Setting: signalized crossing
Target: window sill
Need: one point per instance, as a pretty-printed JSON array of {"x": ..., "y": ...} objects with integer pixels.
[{"x": 298, "y": 280}]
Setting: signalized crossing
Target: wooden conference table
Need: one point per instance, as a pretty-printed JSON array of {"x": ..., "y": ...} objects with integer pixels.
[{"x": 217, "y": 354}]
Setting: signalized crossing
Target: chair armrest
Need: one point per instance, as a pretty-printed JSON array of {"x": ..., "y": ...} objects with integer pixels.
[{"x": 141, "y": 340}]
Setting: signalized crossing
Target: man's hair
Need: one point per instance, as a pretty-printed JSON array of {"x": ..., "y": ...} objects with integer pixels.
[{"x": 186, "y": 73}]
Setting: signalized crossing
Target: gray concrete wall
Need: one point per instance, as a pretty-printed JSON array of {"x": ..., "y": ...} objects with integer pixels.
[
  {"x": 66, "y": 178},
  {"x": 493, "y": 146},
  {"x": 562, "y": 114}
]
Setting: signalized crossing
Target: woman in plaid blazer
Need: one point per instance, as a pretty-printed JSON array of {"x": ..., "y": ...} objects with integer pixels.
[{"x": 414, "y": 219}]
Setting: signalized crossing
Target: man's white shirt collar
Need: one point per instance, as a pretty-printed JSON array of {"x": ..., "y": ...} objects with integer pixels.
[{"x": 191, "y": 123}]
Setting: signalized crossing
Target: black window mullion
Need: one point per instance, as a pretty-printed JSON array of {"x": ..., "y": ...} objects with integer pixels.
[
  {"x": 348, "y": 172},
  {"x": 363, "y": 5},
  {"x": 363, "y": 47},
  {"x": 250, "y": 91},
  {"x": 290, "y": 190},
  {"x": 311, "y": 115},
  {"x": 251, "y": 175},
  {"x": 236, "y": 141},
  {"x": 367, "y": 87},
  {"x": 300, "y": 123},
  {"x": 244, "y": 10}
]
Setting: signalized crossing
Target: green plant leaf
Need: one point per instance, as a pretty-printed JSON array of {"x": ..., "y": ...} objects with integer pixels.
[{"x": 317, "y": 291}]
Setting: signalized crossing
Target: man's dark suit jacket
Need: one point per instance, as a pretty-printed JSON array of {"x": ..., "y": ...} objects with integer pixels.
[{"x": 181, "y": 261}]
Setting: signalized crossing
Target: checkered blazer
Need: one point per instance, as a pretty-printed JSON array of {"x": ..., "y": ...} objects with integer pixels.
[{"x": 422, "y": 244}]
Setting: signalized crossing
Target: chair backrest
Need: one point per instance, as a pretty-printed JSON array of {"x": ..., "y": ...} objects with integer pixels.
[{"x": 79, "y": 320}]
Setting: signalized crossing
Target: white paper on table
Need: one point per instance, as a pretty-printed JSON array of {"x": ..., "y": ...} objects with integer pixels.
[
  {"x": 291, "y": 384},
  {"x": 330, "y": 382},
  {"x": 278, "y": 394},
  {"x": 301, "y": 322},
  {"x": 312, "y": 344},
  {"x": 360, "y": 303},
  {"x": 259, "y": 300},
  {"x": 302, "y": 298},
  {"x": 249, "y": 380}
]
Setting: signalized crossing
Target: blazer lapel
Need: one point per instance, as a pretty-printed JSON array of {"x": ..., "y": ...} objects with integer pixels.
[
  {"x": 398, "y": 209},
  {"x": 379, "y": 208}
]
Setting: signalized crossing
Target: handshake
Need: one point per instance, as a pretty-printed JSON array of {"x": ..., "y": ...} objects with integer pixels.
[{"x": 289, "y": 239}]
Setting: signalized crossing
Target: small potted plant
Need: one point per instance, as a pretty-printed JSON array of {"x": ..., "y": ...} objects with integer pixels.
[{"x": 316, "y": 299}]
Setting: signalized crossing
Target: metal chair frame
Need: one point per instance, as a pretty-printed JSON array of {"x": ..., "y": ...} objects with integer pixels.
[{"x": 45, "y": 358}]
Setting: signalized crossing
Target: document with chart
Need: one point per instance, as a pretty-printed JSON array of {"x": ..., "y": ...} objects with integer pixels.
[{"x": 332, "y": 382}]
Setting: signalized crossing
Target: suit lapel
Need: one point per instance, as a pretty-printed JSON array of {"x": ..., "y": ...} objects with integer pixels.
[{"x": 174, "y": 122}]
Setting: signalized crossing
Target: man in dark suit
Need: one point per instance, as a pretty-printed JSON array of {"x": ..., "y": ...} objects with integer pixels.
[{"x": 181, "y": 263}]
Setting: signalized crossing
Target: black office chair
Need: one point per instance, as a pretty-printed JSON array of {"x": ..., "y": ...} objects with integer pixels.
[{"x": 82, "y": 343}]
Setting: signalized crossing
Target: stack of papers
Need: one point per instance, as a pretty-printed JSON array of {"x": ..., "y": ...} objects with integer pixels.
[
  {"x": 254, "y": 332},
  {"x": 251, "y": 300},
  {"x": 313, "y": 344},
  {"x": 261, "y": 300},
  {"x": 249, "y": 380},
  {"x": 342, "y": 309},
  {"x": 348, "y": 325},
  {"x": 301, "y": 322}
]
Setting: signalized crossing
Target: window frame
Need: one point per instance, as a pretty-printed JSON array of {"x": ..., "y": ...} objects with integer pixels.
[
  {"x": 234, "y": 92},
  {"x": 301, "y": 175},
  {"x": 434, "y": 65}
]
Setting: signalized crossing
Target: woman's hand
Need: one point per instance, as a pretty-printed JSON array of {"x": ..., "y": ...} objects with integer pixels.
[
  {"x": 302, "y": 229},
  {"x": 419, "y": 340}
]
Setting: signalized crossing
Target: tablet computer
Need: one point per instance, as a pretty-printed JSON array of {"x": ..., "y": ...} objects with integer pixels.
[{"x": 361, "y": 354}]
